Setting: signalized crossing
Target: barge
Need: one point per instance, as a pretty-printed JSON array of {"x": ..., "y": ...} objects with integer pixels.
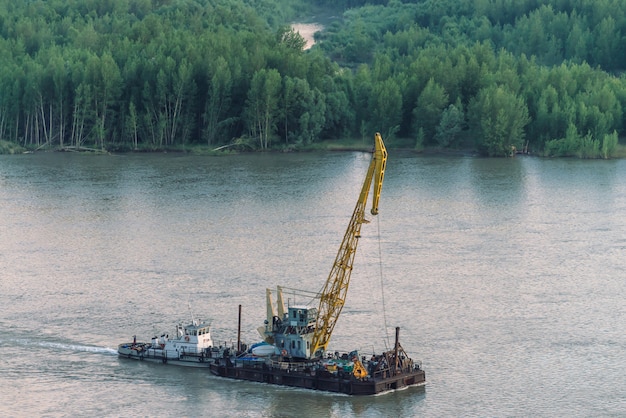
[{"x": 340, "y": 373}]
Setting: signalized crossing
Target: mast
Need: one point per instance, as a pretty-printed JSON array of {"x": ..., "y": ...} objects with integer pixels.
[{"x": 239, "y": 331}]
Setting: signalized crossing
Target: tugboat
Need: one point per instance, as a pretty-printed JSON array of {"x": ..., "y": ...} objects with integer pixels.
[
  {"x": 296, "y": 339},
  {"x": 191, "y": 346}
]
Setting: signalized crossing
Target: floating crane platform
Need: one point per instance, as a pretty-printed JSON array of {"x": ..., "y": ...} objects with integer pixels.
[{"x": 294, "y": 348}]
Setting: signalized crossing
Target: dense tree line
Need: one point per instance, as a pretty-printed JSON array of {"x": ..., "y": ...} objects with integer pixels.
[
  {"x": 155, "y": 74},
  {"x": 496, "y": 75}
]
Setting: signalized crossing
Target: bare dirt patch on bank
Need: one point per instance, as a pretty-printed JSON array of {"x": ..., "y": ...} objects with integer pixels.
[{"x": 307, "y": 30}]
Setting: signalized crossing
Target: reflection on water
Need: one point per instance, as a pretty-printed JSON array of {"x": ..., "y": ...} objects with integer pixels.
[{"x": 504, "y": 276}]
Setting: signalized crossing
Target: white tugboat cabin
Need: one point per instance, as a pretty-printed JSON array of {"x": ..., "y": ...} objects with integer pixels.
[{"x": 191, "y": 346}]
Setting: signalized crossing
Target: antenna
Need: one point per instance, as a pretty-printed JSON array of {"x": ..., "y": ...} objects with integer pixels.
[{"x": 190, "y": 311}]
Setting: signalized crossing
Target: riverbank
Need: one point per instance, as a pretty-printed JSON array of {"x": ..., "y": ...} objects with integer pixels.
[
  {"x": 7, "y": 147},
  {"x": 345, "y": 145}
]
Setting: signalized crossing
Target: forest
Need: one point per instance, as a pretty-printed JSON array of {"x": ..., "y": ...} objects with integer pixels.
[{"x": 492, "y": 76}]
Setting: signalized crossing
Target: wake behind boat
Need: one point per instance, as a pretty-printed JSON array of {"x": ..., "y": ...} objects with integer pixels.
[{"x": 192, "y": 346}]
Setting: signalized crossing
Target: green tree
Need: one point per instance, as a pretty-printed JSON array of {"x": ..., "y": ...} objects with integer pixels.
[
  {"x": 566, "y": 146},
  {"x": 177, "y": 109},
  {"x": 262, "y": 111},
  {"x": 605, "y": 43},
  {"x": 303, "y": 111},
  {"x": 589, "y": 147},
  {"x": 167, "y": 95},
  {"x": 386, "y": 108},
  {"x": 429, "y": 108},
  {"x": 60, "y": 80},
  {"x": 104, "y": 80},
  {"x": 340, "y": 112},
  {"x": 10, "y": 100},
  {"x": 31, "y": 100},
  {"x": 450, "y": 126},
  {"x": 609, "y": 144},
  {"x": 132, "y": 123},
  {"x": 218, "y": 101},
  {"x": 363, "y": 87},
  {"x": 498, "y": 118},
  {"x": 577, "y": 42},
  {"x": 82, "y": 117}
]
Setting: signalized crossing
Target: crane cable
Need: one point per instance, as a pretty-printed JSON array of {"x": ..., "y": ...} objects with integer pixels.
[{"x": 382, "y": 287}]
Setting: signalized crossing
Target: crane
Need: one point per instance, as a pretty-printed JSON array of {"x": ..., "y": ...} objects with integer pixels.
[
  {"x": 304, "y": 332},
  {"x": 333, "y": 296}
]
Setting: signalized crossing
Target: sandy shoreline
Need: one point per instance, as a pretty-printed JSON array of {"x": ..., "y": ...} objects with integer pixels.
[{"x": 307, "y": 30}]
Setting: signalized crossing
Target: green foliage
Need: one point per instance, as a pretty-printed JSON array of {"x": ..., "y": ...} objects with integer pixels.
[
  {"x": 385, "y": 107},
  {"x": 582, "y": 146},
  {"x": 498, "y": 118},
  {"x": 218, "y": 102},
  {"x": 564, "y": 147},
  {"x": 304, "y": 111},
  {"x": 144, "y": 74},
  {"x": 609, "y": 145},
  {"x": 7, "y": 147},
  {"x": 262, "y": 106},
  {"x": 537, "y": 51},
  {"x": 450, "y": 126},
  {"x": 428, "y": 111},
  {"x": 589, "y": 147},
  {"x": 578, "y": 145}
]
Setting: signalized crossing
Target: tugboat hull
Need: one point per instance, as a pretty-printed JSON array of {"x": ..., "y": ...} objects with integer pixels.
[
  {"x": 191, "y": 346},
  {"x": 144, "y": 352}
]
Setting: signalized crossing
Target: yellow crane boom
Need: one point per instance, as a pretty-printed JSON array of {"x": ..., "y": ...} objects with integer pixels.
[{"x": 333, "y": 295}]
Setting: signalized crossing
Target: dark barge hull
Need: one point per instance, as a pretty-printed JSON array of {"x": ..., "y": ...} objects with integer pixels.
[{"x": 319, "y": 380}]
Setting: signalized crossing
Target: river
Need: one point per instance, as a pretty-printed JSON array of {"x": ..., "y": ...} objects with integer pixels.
[{"x": 504, "y": 275}]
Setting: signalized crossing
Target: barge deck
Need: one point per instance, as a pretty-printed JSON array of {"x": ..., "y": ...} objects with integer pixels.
[{"x": 389, "y": 371}]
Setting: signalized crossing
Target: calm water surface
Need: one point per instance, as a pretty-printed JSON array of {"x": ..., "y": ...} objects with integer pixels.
[{"x": 505, "y": 276}]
